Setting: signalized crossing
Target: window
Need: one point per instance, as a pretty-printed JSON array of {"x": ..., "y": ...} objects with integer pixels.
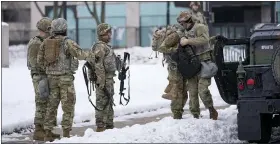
[
  {"x": 232, "y": 53},
  {"x": 20, "y": 15}
]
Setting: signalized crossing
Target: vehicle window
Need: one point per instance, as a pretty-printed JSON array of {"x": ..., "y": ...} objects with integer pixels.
[{"x": 233, "y": 52}]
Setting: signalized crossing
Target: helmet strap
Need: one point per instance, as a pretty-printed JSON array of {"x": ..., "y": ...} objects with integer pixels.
[{"x": 191, "y": 26}]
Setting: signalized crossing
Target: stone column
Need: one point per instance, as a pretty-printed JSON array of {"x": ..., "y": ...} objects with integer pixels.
[
  {"x": 132, "y": 23},
  {"x": 5, "y": 45},
  {"x": 265, "y": 14}
]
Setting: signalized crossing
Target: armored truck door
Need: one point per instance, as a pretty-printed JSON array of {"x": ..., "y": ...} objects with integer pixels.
[{"x": 226, "y": 55}]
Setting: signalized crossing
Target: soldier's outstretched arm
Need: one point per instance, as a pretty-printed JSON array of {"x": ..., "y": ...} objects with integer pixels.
[
  {"x": 99, "y": 53},
  {"x": 202, "y": 36},
  {"x": 76, "y": 51},
  {"x": 40, "y": 56}
]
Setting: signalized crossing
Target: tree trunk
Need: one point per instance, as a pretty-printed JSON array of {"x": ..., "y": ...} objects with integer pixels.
[
  {"x": 94, "y": 12},
  {"x": 103, "y": 8},
  {"x": 61, "y": 10},
  {"x": 55, "y": 4}
]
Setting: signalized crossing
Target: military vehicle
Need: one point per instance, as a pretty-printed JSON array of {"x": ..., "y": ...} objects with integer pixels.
[{"x": 249, "y": 77}]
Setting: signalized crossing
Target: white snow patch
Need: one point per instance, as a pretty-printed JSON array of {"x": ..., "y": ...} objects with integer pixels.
[
  {"x": 148, "y": 80},
  {"x": 4, "y": 24},
  {"x": 168, "y": 130}
]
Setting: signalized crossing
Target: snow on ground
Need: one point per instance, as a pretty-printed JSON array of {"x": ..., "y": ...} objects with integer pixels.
[
  {"x": 4, "y": 24},
  {"x": 168, "y": 130},
  {"x": 148, "y": 80}
]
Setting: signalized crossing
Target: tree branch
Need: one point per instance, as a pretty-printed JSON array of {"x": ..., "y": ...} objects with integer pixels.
[
  {"x": 88, "y": 8},
  {"x": 61, "y": 9},
  {"x": 39, "y": 9},
  {"x": 95, "y": 13}
]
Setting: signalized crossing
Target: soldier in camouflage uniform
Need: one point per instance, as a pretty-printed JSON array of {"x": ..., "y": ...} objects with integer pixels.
[
  {"x": 59, "y": 56},
  {"x": 37, "y": 74},
  {"x": 196, "y": 15},
  {"x": 166, "y": 41},
  {"x": 104, "y": 71},
  {"x": 198, "y": 36}
]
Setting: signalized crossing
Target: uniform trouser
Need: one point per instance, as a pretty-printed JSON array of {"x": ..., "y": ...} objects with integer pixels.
[
  {"x": 199, "y": 86},
  {"x": 61, "y": 90},
  {"x": 178, "y": 104},
  {"x": 41, "y": 104},
  {"x": 105, "y": 117}
]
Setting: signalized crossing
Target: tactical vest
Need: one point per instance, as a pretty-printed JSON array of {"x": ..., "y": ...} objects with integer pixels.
[
  {"x": 110, "y": 63},
  {"x": 32, "y": 52},
  {"x": 200, "y": 49},
  {"x": 58, "y": 59}
]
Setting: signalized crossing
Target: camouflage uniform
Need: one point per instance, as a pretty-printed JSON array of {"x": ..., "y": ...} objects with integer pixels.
[
  {"x": 196, "y": 15},
  {"x": 59, "y": 56},
  {"x": 37, "y": 74},
  {"x": 104, "y": 71},
  {"x": 166, "y": 42},
  {"x": 198, "y": 36}
]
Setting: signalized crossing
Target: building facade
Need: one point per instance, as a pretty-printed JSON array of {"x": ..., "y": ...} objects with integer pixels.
[{"x": 133, "y": 22}]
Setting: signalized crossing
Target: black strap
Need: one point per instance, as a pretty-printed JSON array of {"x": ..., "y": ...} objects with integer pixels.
[
  {"x": 122, "y": 77},
  {"x": 41, "y": 39},
  {"x": 89, "y": 86}
]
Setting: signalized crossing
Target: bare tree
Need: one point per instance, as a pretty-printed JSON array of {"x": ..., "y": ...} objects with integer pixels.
[
  {"x": 56, "y": 14},
  {"x": 94, "y": 12},
  {"x": 39, "y": 9}
]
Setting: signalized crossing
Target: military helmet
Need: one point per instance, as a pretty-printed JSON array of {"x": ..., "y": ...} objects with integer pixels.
[
  {"x": 103, "y": 28},
  {"x": 59, "y": 25},
  {"x": 44, "y": 24},
  {"x": 195, "y": 3},
  {"x": 184, "y": 16}
]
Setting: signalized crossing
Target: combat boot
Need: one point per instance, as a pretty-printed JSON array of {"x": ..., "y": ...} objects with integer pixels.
[
  {"x": 100, "y": 129},
  {"x": 172, "y": 95},
  {"x": 196, "y": 116},
  {"x": 39, "y": 133},
  {"x": 109, "y": 126},
  {"x": 55, "y": 135},
  {"x": 66, "y": 133},
  {"x": 177, "y": 116},
  {"x": 50, "y": 136},
  {"x": 213, "y": 113}
]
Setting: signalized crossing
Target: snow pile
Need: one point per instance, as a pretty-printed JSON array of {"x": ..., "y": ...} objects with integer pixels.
[
  {"x": 168, "y": 130},
  {"x": 4, "y": 24},
  {"x": 17, "y": 53},
  {"x": 147, "y": 84}
]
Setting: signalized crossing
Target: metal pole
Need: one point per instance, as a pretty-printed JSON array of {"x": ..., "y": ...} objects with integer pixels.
[
  {"x": 64, "y": 5},
  {"x": 77, "y": 24},
  {"x": 168, "y": 13},
  {"x": 65, "y": 10},
  {"x": 272, "y": 12}
]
